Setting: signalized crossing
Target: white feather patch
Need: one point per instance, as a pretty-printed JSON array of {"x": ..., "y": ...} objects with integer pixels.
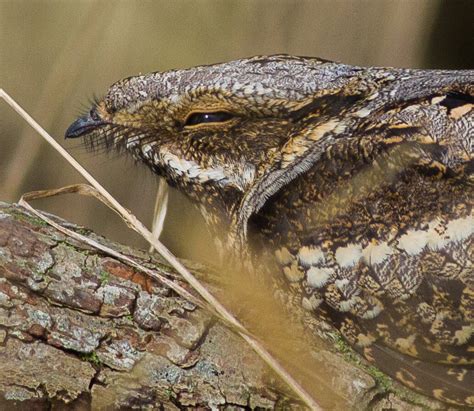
[
  {"x": 376, "y": 253},
  {"x": 362, "y": 113},
  {"x": 192, "y": 170},
  {"x": 317, "y": 277},
  {"x": 311, "y": 303},
  {"x": 310, "y": 256},
  {"x": 413, "y": 242},
  {"x": 349, "y": 255},
  {"x": 458, "y": 230}
]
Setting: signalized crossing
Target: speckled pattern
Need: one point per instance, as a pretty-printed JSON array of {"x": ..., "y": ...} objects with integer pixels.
[{"x": 355, "y": 182}]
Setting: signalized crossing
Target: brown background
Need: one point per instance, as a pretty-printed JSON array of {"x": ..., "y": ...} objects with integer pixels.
[{"x": 54, "y": 55}]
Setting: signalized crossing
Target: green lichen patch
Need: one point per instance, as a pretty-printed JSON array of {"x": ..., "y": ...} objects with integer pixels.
[
  {"x": 22, "y": 216},
  {"x": 91, "y": 357},
  {"x": 104, "y": 277},
  {"x": 382, "y": 379}
]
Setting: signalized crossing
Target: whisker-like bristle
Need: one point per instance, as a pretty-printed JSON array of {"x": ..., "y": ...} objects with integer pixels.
[{"x": 112, "y": 138}]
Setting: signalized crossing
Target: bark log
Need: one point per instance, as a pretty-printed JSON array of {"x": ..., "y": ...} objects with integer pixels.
[{"x": 80, "y": 330}]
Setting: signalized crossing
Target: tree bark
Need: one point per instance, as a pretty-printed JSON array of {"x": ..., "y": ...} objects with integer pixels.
[{"x": 80, "y": 330}]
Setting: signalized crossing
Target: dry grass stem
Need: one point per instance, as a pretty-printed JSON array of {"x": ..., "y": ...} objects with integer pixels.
[
  {"x": 136, "y": 225},
  {"x": 161, "y": 207}
]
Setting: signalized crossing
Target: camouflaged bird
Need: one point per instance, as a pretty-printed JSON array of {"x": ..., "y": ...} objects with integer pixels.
[{"x": 357, "y": 182}]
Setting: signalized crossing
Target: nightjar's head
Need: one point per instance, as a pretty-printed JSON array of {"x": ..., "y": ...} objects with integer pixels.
[{"x": 215, "y": 127}]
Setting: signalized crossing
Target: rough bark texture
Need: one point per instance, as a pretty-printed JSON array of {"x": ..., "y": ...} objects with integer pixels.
[{"x": 80, "y": 330}]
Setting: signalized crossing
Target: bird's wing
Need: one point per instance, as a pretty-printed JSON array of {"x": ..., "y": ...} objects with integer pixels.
[{"x": 384, "y": 243}]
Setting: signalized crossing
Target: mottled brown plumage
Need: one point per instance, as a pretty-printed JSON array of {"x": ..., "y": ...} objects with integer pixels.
[{"x": 353, "y": 185}]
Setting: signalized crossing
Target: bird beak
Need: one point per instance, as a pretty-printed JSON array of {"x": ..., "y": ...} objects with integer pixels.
[{"x": 82, "y": 126}]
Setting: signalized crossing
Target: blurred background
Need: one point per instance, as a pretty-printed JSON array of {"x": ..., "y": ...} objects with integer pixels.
[{"x": 56, "y": 55}]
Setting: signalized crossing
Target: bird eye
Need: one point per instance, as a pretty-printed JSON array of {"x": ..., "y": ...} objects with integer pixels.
[
  {"x": 213, "y": 117},
  {"x": 94, "y": 115}
]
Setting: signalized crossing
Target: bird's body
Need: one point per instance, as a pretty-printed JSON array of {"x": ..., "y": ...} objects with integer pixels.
[{"x": 354, "y": 186}]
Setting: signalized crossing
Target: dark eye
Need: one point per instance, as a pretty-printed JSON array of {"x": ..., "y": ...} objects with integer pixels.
[
  {"x": 94, "y": 115},
  {"x": 212, "y": 117}
]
